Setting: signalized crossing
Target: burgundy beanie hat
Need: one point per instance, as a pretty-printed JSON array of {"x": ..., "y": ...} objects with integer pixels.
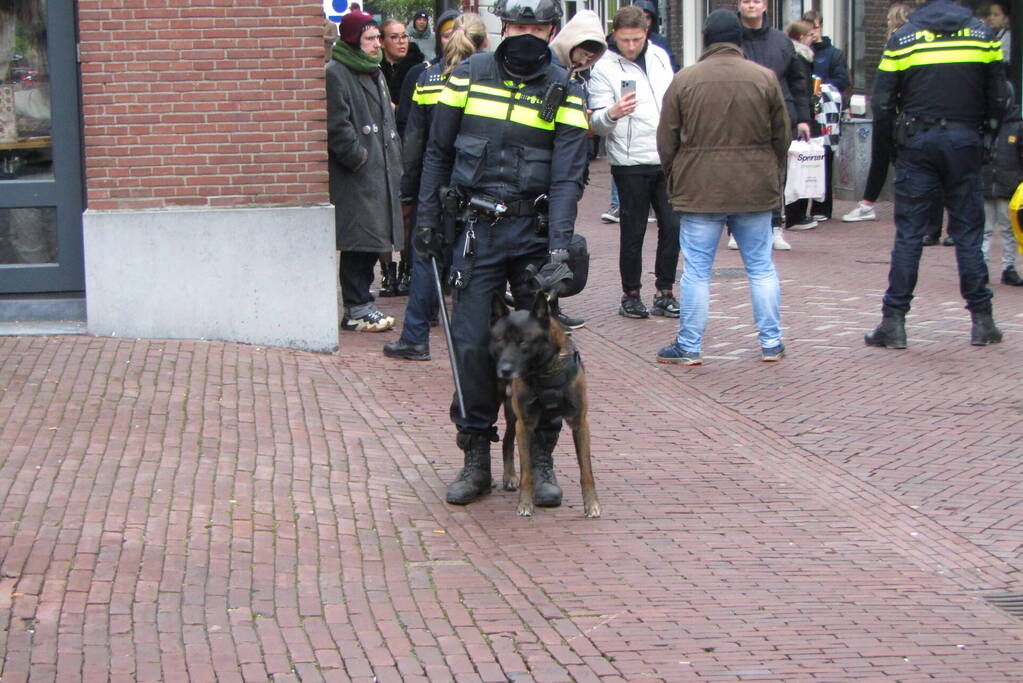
[{"x": 352, "y": 26}]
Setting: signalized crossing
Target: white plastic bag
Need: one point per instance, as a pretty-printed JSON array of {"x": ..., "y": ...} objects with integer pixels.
[{"x": 805, "y": 178}]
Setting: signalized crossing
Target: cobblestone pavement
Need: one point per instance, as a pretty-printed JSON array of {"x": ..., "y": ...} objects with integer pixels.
[{"x": 182, "y": 510}]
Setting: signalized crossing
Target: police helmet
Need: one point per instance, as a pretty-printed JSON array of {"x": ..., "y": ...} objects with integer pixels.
[{"x": 529, "y": 11}]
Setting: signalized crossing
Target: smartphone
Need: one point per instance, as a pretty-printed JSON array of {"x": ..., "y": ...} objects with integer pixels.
[{"x": 627, "y": 87}]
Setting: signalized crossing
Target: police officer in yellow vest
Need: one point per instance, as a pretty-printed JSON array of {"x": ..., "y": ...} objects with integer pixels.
[
  {"x": 940, "y": 90},
  {"x": 509, "y": 136}
]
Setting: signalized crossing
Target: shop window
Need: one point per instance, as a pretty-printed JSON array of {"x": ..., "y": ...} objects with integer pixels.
[{"x": 25, "y": 113}]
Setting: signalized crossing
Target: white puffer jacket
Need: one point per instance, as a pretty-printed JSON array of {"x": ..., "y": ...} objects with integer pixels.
[{"x": 631, "y": 140}]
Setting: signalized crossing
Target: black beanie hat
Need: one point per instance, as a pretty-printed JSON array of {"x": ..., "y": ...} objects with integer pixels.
[{"x": 722, "y": 26}]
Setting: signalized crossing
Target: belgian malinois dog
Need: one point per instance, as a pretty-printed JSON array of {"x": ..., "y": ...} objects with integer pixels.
[{"x": 539, "y": 371}]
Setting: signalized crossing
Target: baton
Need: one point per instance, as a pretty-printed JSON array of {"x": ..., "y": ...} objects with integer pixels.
[{"x": 447, "y": 335}]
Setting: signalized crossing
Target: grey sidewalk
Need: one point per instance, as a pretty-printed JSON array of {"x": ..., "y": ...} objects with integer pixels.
[{"x": 200, "y": 510}]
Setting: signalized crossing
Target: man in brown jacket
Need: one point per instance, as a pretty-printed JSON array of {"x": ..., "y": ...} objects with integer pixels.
[{"x": 722, "y": 139}]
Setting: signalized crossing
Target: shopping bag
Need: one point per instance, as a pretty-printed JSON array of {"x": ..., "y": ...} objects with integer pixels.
[
  {"x": 805, "y": 176},
  {"x": 1015, "y": 207}
]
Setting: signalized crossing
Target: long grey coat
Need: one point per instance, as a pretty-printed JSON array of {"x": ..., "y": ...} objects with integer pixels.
[{"x": 364, "y": 161}]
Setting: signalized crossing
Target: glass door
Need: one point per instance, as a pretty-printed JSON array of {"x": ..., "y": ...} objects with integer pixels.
[{"x": 40, "y": 149}]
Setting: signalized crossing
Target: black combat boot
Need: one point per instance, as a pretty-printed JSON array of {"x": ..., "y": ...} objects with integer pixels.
[
  {"x": 389, "y": 280},
  {"x": 891, "y": 332},
  {"x": 474, "y": 479},
  {"x": 404, "y": 277},
  {"x": 984, "y": 331},
  {"x": 546, "y": 492}
]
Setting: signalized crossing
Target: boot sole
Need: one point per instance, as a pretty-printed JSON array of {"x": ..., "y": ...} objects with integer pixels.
[
  {"x": 406, "y": 356},
  {"x": 986, "y": 342},
  {"x": 884, "y": 345}
]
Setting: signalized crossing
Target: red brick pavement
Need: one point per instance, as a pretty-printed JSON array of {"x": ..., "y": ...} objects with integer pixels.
[{"x": 175, "y": 510}]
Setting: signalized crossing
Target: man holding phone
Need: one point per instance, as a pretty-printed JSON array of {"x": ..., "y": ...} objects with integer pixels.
[{"x": 626, "y": 89}]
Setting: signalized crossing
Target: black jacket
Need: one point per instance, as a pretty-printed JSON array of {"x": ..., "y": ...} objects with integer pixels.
[
  {"x": 829, "y": 64},
  {"x": 767, "y": 46},
  {"x": 394, "y": 74},
  {"x": 1005, "y": 171},
  {"x": 490, "y": 140},
  {"x": 942, "y": 64}
]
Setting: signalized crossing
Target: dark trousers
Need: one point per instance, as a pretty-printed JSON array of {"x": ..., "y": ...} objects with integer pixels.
[
  {"x": 502, "y": 253},
  {"x": 880, "y": 159},
  {"x": 639, "y": 188},
  {"x": 356, "y": 272},
  {"x": 796, "y": 211},
  {"x": 935, "y": 161}
]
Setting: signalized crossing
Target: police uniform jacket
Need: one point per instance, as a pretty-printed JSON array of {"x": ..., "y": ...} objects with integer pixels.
[
  {"x": 487, "y": 137},
  {"x": 942, "y": 64},
  {"x": 417, "y": 126},
  {"x": 364, "y": 161}
]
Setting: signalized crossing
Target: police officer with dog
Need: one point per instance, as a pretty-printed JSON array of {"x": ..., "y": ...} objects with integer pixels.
[
  {"x": 940, "y": 91},
  {"x": 506, "y": 159}
]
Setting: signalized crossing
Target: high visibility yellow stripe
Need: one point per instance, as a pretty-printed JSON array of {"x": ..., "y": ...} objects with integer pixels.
[
  {"x": 529, "y": 117},
  {"x": 427, "y": 94},
  {"x": 571, "y": 116},
  {"x": 942, "y": 44},
  {"x": 572, "y": 99},
  {"x": 931, "y": 57},
  {"x": 458, "y": 82},
  {"x": 453, "y": 98},
  {"x": 487, "y": 90},
  {"x": 476, "y": 106}
]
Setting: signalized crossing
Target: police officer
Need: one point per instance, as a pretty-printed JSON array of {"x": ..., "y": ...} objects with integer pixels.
[
  {"x": 509, "y": 127},
  {"x": 940, "y": 87}
]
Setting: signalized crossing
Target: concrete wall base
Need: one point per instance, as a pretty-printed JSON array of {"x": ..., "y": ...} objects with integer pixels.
[{"x": 260, "y": 276}]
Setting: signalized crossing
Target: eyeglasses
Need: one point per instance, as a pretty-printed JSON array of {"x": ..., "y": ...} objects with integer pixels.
[{"x": 401, "y": 38}]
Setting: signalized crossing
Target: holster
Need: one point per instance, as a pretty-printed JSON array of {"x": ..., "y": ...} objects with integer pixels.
[{"x": 452, "y": 205}]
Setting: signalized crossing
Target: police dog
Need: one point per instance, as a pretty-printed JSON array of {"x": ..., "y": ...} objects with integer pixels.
[{"x": 539, "y": 370}]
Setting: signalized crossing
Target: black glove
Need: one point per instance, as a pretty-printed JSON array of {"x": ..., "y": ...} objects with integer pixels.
[
  {"x": 428, "y": 244},
  {"x": 552, "y": 276}
]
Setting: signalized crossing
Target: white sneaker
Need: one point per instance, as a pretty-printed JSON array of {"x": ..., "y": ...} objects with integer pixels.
[
  {"x": 611, "y": 215},
  {"x": 779, "y": 240},
  {"x": 862, "y": 212},
  {"x": 731, "y": 242}
]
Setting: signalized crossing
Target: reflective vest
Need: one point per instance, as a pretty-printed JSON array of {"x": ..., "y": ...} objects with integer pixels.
[{"x": 503, "y": 147}]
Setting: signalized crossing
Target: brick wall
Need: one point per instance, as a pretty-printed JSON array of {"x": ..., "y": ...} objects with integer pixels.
[{"x": 203, "y": 103}]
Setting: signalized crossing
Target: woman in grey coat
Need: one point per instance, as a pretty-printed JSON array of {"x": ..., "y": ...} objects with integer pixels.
[{"x": 364, "y": 155}]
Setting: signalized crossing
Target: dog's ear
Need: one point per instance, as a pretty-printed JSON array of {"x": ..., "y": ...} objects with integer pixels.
[
  {"x": 498, "y": 309},
  {"x": 542, "y": 309}
]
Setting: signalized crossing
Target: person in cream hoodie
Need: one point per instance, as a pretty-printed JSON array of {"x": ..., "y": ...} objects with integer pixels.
[
  {"x": 577, "y": 47},
  {"x": 625, "y": 94}
]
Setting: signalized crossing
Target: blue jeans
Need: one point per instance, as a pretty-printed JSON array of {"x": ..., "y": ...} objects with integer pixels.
[{"x": 699, "y": 236}]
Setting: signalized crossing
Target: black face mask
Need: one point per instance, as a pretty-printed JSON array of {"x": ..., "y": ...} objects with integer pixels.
[{"x": 524, "y": 54}]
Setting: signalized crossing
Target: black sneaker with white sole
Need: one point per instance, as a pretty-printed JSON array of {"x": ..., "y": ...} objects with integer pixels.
[
  {"x": 632, "y": 307},
  {"x": 665, "y": 304}
]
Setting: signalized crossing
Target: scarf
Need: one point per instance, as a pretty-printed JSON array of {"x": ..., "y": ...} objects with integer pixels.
[{"x": 356, "y": 60}]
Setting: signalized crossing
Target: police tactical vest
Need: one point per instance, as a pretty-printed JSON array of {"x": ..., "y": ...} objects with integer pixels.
[{"x": 503, "y": 147}]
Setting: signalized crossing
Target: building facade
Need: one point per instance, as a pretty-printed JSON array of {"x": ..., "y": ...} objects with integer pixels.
[{"x": 165, "y": 163}]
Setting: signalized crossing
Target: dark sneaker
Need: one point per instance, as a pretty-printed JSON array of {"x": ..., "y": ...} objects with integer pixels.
[
  {"x": 805, "y": 223},
  {"x": 612, "y": 215},
  {"x": 931, "y": 240},
  {"x": 1011, "y": 277},
  {"x": 948, "y": 242},
  {"x": 567, "y": 321},
  {"x": 402, "y": 349},
  {"x": 772, "y": 354},
  {"x": 632, "y": 307},
  {"x": 374, "y": 321},
  {"x": 676, "y": 355},
  {"x": 665, "y": 304},
  {"x": 820, "y": 218}
]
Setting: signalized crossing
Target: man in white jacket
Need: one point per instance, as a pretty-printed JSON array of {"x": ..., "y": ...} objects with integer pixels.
[{"x": 629, "y": 120}]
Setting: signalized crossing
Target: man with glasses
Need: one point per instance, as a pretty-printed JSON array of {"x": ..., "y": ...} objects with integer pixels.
[{"x": 364, "y": 160}]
